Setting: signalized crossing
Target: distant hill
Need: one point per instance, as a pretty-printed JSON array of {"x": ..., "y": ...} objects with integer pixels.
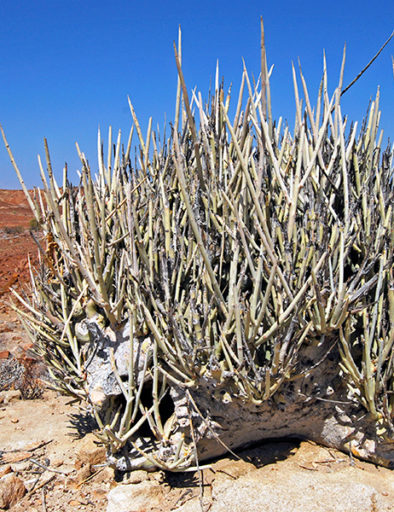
[{"x": 14, "y": 209}]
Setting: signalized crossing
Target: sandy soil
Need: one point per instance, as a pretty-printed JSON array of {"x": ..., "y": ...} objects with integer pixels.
[{"x": 43, "y": 441}]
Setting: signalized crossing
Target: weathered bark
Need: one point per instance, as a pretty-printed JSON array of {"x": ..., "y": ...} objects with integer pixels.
[
  {"x": 315, "y": 405},
  {"x": 332, "y": 423}
]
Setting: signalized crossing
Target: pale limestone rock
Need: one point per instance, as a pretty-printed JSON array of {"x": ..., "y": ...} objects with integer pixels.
[
  {"x": 298, "y": 492},
  {"x": 88, "y": 451},
  {"x": 9, "y": 396},
  {"x": 135, "y": 497},
  {"x": 136, "y": 477}
]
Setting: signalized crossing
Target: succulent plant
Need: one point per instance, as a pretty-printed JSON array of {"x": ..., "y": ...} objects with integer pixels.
[{"x": 229, "y": 282}]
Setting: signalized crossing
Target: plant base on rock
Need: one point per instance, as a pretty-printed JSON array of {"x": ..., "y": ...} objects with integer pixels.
[{"x": 232, "y": 282}]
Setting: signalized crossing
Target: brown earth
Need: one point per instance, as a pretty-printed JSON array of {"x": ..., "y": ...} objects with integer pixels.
[
  {"x": 14, "y": 209},
  {"x": 46, "y": 442},
  {"x": 16, "y": 243}
]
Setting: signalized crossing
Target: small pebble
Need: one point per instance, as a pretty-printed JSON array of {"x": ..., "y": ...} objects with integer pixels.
[
  {"x": 18, "y": 467},
  {"x": 30, "y": 483},
  {"x": 136, "y": 477},
  {"x": 4, "y": 470}
]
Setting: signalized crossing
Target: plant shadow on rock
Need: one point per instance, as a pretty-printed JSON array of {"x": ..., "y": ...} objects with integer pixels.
[
  {"x": 81, "y": 424},
  {"x": 259, "y": 454},
  {"x": 270, "y": 451}
]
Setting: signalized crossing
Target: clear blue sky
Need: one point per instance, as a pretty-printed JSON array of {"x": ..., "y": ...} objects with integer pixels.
[{"x": 66, "y": 67}]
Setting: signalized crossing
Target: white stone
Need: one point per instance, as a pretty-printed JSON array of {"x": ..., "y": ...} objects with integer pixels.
[
  {"x": 135, "y": 497},
  {"x": 298, "y": 492}
]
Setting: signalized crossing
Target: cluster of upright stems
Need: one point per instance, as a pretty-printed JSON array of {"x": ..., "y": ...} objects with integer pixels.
[{"x": 229, "y": 243}]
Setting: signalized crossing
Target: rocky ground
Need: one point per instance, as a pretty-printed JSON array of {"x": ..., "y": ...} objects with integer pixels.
[{"x": 50, "y": 460}]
